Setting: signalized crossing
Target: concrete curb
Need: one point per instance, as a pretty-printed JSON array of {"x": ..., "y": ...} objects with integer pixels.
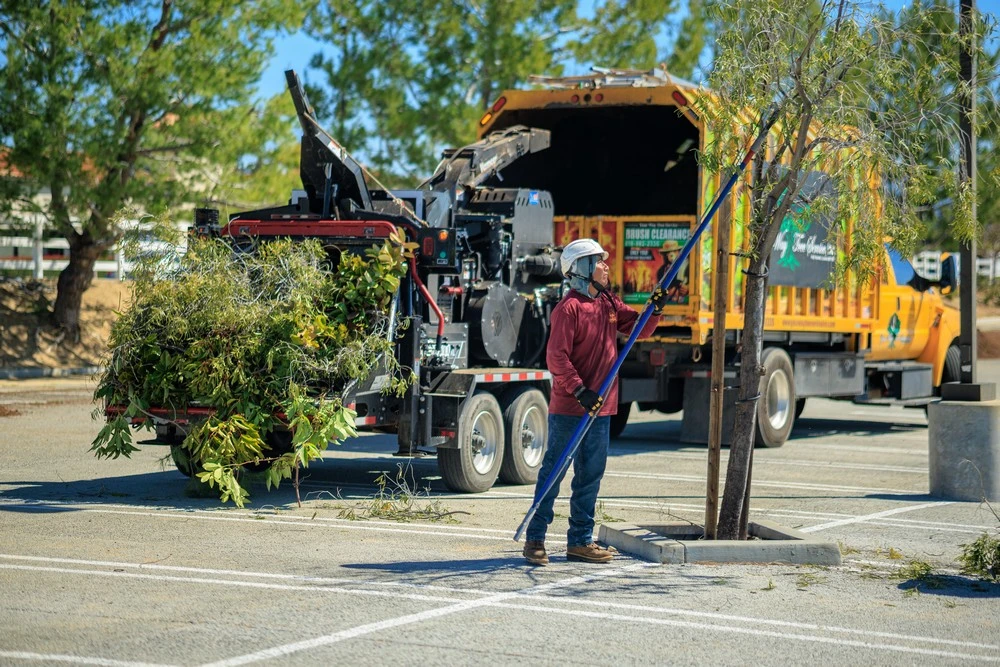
[
  {"x": 34, "y": 373},
  {"x": 682, "y": 543}
]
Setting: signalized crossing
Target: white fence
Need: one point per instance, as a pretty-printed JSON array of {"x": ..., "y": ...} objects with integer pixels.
[
  {"x": 928, "y": 265},
  {"x": 38, "y": 255},
  {"x": 21, "y": 253},
  {"x": 24, "y": 253}
]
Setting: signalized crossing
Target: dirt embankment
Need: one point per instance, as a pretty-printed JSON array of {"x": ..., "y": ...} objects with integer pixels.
[
  {"x": 988, "y": 344},
  {"x": 27, "y": 337}
]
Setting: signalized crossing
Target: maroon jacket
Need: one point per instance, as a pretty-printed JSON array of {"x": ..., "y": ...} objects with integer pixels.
[{"x": 583, "y": 347}]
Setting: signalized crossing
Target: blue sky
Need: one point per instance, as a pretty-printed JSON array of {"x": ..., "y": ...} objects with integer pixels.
[{"x": 294, "y": 51}]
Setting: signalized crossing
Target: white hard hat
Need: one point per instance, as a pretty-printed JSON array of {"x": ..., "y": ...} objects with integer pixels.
[{"x": 578, "y": 249}]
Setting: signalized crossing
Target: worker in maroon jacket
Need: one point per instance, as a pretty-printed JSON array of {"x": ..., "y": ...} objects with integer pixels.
[{"x": 581, "y": 351}]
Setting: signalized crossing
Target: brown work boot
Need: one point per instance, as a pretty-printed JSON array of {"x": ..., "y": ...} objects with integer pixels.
[
  {"x": 534, "y": 552},
  {"x": 591, "y": 553}
]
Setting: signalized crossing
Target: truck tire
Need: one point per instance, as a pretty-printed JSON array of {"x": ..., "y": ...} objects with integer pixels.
[
  {"x": 800, "y": 405},
  {"x": 526, "y": 429},
  {"x": 776, "y": 405},
  {"x": 620, "y": 420},
  {"x": 952, "y": 371},
  {"x": 475, "y": 464}
]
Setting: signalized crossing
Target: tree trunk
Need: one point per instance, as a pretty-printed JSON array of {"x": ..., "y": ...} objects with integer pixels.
[
  {"x": 738, "y": 471},
  {"x": 73, "y": 282}
]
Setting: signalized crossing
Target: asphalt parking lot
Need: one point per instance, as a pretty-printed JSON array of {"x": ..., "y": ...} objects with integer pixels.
[{"x": 114, "y": 563}]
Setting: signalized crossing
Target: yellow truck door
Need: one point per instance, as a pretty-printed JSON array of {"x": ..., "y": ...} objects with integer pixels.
[{"x": 905, "y": 314}]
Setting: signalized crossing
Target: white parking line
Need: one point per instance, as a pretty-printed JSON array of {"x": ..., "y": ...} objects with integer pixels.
[
  {"x": 876, "y": 515},
  {"x": 799, "y": 486},
  {"x": 74, "y": 659},
  {"x": 408, "y": 619},
  {"x": 805, "y": 463},
  {"x": 500, "y": 535},
  {"x": 530, "y": 599},
  {"x": 868, "y": 449}
]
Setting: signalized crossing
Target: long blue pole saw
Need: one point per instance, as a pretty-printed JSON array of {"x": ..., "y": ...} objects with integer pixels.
[{"x": 562, "y": 464}]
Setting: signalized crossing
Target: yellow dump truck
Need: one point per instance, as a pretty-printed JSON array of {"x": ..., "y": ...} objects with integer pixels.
[{"x": 622, "y": 169}]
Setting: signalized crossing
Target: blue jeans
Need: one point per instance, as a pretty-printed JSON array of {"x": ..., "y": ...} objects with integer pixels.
[{"x": 588, "y": 468}]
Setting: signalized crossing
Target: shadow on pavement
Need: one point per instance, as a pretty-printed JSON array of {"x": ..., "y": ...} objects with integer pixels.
[
  {"x": 162, "y": 489},
  {"x": 952, "y": 586},
  {"x": 806, "y": 427},
  {"x": 666, "y": 433},
  {"x": 426, "y": 572}
]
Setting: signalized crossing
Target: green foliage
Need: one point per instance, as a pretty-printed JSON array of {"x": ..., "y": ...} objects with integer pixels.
[
  {"x": 981, "y": 558},
  {"x": 692, "y": 36},
  {"x": 916, "y": 569},
  {"x": 623, "y": 34},
  {"x": 268, "y": 337},
  {"x": 108, "y": 103},
  {"x": 397, "y": 500}
]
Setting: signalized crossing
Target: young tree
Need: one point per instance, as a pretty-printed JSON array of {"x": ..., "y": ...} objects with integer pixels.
[
  {"x": 824, "y": 67},
  {"x": 114, "y": 103}
]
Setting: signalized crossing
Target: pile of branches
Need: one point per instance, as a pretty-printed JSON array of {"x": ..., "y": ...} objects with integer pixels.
[{"x": 270, "y": 338}]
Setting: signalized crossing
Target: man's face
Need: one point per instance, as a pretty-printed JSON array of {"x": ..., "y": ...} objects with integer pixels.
[
  {"x": 671, "y": 255},
  {"x": 600, "y": 275}
]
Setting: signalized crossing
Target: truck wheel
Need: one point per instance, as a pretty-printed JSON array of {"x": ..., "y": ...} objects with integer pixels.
[
  {"x": 800, "y": 405},
  {"x": 182, "y": 459},
  {"x": 620, "y": 420},
  {"x": 952, "y": 366},
  {"x": 526, "y": 425},
  {"x": 473, "y": 467},
  {"x": 776, "y": 405}
]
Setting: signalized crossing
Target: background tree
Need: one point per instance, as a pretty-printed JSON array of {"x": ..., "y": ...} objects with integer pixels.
[
  {"x": 693, "y": 36},
  {"x": 933, "y": 56},
  {"x": 825, "y": 68},
  {"x": 260, "y": 164},
  {"x": 118, "y": 102},
  {"x": 402, "y": 79}
]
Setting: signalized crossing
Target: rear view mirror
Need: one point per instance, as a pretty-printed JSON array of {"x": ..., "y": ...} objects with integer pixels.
[{"x": 949, "y": 277}]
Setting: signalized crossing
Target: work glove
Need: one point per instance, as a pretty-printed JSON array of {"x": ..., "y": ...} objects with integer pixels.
[
  {"x": 659, "y": 299},
  {"x": 589, "y": 399}
]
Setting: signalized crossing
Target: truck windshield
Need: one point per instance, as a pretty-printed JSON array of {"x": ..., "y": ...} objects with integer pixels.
[{"x": 905, "y": 273}]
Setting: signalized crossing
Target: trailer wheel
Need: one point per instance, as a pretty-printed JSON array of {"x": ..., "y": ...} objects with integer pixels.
[
  {"x": 182, "y": 459},
  {"x": 620, "y": 420},
  {"x": 776, "y": 405},
  {"x": 474, "y": 466},
  {"x": 526, "y": 425}
]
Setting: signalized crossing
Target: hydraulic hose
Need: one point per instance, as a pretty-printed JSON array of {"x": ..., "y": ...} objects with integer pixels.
[{"x": 430, "y": 302}]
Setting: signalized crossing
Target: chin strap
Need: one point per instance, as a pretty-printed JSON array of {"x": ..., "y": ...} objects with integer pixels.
[{"x": 601, "y": 289}]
